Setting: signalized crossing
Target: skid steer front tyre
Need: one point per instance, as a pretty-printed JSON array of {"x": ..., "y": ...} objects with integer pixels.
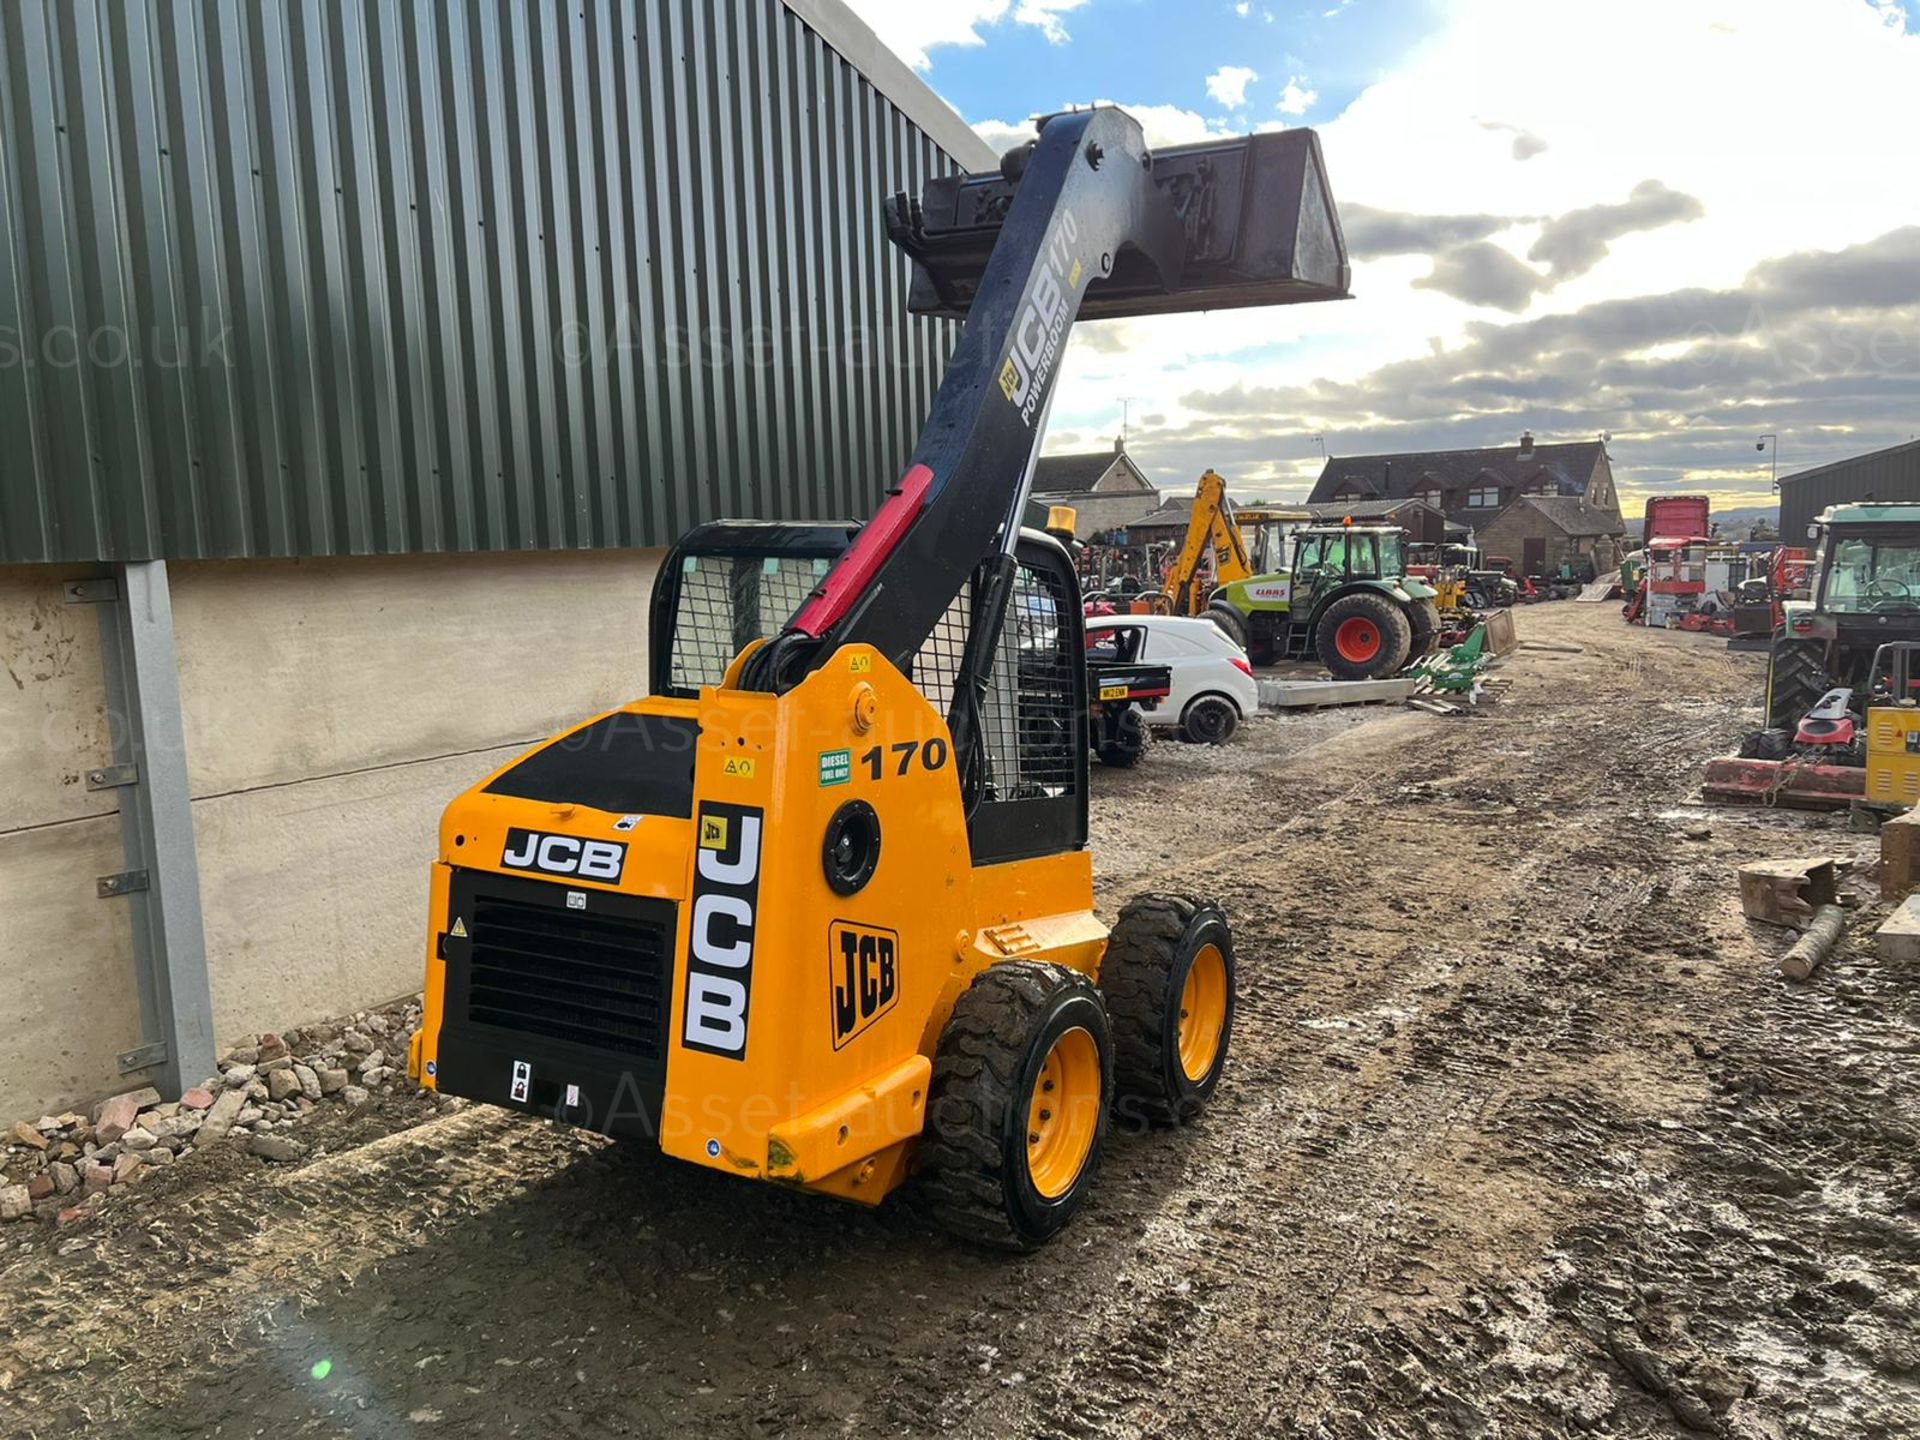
[
  {"x": 1017, "y": 1110},
  {"x": 1168, "y": 977}
]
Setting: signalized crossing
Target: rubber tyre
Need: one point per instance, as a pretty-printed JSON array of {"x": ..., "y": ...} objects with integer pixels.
[
  {"x": 1127, "y": 742},
  {"x": 974, "y": 1168},
  {"x": 1796, "y": 679},
  {"x": 1144, "y": 976},
  {"x": 1231, "y": 622},
  {"x": 1209, "y": 720},
  {"x": 1767, "y": 745},
  {"x": 1396, "y": 636}
]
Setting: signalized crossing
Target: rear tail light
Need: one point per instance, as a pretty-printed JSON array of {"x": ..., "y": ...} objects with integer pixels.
[{"x": 1240, "y": 664}]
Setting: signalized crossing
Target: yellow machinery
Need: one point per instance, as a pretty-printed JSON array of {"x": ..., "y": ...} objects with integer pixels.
[
  {"x": 1892, "y": 748},
  {"x": 819, "y": 910},
  {"x": 1217, "y": 551},
  {"x": 1893, "y": 754}
]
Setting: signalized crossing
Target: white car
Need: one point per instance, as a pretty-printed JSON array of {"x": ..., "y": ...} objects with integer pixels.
[{"x": 1213, "y": 685}]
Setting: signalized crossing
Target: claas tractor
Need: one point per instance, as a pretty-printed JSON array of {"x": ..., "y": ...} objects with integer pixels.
[
  {"x": 1346, "y": 598},
  {"x": 819, "y": 910},
  {"x": 1864, "y": 592}
]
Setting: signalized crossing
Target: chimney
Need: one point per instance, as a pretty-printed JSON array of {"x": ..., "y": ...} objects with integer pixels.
[
  {"x": 1526, "y": 445},
  {"x": 1119, "y": 444}
]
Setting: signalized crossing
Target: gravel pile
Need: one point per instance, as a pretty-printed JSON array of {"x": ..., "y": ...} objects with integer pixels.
[{"x": 64, "y": 1167}]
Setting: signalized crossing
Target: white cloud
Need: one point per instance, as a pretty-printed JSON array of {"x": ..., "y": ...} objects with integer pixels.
[
  {"x": 1046, "y": 15},
  {"x": 1298, "y": 97},
  {"x": 911, "y": 28},
  {"x": 1243, "y": 9},
  {"x": 1228, "y": 85},
  {"x": 1439, "y": 135}
]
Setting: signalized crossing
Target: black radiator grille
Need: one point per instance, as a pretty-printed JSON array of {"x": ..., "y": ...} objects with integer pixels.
[{"x": 595, "y": 980}]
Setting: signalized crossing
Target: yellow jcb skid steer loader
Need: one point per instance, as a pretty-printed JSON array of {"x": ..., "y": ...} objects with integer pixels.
[{"x": 819, "y": 910}]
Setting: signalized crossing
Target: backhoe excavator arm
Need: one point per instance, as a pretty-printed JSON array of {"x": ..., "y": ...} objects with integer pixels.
[
  {"x": 1085, "y": 220},
  {"x": 1210, "y": 530}
]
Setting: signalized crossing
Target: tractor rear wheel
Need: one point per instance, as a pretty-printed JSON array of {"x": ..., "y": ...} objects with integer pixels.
[
  {"x": 1231, "y": 622},
  {"x": 1363, "y": 636},
  {"x": 1169, "y": 981},
  {"x": 1796, "y": 679},
  {"x": 1017, "y": 1110}
]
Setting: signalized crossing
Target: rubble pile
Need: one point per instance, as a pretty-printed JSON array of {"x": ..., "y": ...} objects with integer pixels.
[{"x": 63, "y": 1167}]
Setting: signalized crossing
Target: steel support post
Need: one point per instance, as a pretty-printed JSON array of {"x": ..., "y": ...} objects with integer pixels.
[{"x": 161, "y": 883}]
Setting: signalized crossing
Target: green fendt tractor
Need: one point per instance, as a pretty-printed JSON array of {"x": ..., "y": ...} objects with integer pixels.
[
  {"x": 1346, "y": 598},
  {"x": 1864, "y": 591}
]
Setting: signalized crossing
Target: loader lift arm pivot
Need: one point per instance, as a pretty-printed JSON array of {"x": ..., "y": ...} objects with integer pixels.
[{"x": 1084, "y": 220}]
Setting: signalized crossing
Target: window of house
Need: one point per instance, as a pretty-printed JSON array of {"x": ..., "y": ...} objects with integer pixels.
[
  {"x": 1429, "y": 495},
  {"x": 1484, "y": 497}
]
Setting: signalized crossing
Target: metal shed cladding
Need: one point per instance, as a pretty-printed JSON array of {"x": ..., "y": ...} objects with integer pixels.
[
  {"x": 372, "y": 276},
  {"x": 1886, "y": 475}
]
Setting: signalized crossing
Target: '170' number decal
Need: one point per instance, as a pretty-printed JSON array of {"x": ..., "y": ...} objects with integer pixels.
[{"x": 933, "y": 756}]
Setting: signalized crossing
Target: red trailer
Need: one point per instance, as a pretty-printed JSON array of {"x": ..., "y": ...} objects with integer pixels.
[{"x": 1676, "y": 517}]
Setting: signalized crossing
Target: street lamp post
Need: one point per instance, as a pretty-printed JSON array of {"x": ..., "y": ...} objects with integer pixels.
[{"x": 1761, "y": 444}]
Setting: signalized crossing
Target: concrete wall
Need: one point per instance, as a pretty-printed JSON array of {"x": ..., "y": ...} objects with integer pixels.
[{"x": 332, "y": 707}]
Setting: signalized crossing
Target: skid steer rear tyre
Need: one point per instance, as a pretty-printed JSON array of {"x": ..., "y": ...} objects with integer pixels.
[
  {"x": 1168, "y": 977},
  {"x": 1123, "y": 740},
  {"x": 1017, "y": 1109},
  {"x": 1363, "y": 636}
]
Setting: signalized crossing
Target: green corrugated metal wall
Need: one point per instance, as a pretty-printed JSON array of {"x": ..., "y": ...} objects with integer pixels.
[{"x": 348, "y": 277}]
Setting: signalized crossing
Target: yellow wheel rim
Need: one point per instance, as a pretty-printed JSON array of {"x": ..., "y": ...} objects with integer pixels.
[
  {"x": 1203, "y": 1012},
  {"x": 1063, "y": 1113}
]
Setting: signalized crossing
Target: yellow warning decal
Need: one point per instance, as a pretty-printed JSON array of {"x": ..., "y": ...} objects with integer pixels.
[
  {"x": 713, "y": 832},
  {"x": 738, "y": 766},
  {"x": 859, "y": 664}
]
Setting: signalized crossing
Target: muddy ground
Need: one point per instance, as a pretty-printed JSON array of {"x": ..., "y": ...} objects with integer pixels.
[{"x": 1523, "y": 1136}]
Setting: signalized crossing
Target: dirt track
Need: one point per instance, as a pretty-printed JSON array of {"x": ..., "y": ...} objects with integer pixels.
[{"x": 1523, "y": 1137}]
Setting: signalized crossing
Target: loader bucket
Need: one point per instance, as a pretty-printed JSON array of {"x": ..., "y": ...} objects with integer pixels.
[{"x": 1260, "y": 223}]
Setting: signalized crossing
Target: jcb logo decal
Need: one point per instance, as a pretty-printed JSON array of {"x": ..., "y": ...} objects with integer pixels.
[
  {"x": 864, "y": 964},
  {"x": 600, "y": 860},
  {"x": 1042, "y": 322},
  {"x": 726, "y": 890}
]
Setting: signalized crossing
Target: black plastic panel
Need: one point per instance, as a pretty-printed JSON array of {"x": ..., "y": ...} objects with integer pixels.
[{"x": 624, "y": 763}]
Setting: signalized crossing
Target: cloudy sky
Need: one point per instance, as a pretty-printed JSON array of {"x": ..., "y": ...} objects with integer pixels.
[{"x": 1688, "y": 223}]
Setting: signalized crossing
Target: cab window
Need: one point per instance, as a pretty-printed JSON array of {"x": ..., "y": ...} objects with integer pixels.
[{"x": 1119, "y": 643}]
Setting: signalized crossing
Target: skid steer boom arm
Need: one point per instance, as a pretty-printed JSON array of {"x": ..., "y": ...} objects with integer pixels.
[{"x": 1085, "y": 220}]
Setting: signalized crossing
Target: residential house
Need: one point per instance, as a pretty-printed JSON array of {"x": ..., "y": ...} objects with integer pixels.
[
  {"x": 1104, "y": 487},
  {"x": 1541, "y": 506},
  {"x": 1425, "y": 524}
]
